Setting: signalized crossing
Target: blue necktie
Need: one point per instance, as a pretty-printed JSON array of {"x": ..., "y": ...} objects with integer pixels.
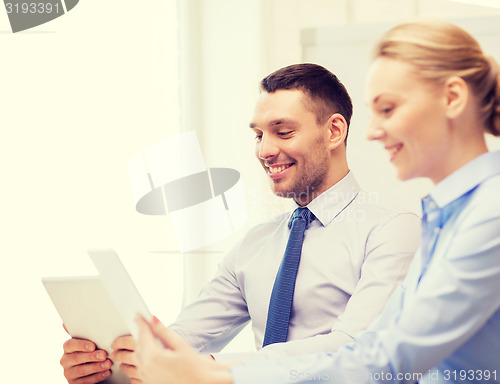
[{"x": 280, "y": 305}]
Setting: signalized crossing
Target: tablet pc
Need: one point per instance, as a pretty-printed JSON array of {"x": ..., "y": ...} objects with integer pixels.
[{"x": 99, "y": 308}]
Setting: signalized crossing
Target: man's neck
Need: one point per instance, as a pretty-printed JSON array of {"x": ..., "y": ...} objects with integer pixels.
[{"x": 306, "y": 197}]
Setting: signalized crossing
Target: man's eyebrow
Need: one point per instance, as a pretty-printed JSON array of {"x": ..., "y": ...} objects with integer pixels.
[{"x": 275, "y": 123}]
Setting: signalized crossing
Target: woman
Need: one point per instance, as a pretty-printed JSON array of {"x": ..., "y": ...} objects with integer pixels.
[{"x": 433, "y": 95}]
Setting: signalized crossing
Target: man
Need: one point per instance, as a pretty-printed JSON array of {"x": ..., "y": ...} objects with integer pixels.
[{"x": 354, "y": 251}]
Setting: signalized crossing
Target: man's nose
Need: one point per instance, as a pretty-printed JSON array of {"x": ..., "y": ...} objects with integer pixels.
[{"x": 267, "y": 148}]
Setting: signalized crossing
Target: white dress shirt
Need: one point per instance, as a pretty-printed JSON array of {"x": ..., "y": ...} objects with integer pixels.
[
  {"x": 442, "y": 325},
  {"x": 353, "y": 256}
]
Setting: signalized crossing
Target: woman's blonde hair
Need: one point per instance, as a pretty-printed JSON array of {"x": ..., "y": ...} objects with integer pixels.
[{"x": 438, "y": 50}]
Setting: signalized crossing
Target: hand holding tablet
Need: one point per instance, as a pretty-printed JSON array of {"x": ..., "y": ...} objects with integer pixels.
[{"x": 97, "y": 308}]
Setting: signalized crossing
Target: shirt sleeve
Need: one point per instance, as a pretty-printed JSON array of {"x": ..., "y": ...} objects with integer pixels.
[
  {"x": 389, "y": 250},
  {"x": 455, "y": 298},
  {"x": 218, "y": 314}
]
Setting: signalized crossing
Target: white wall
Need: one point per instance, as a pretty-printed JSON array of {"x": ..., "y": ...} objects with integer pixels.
[
  {"x": 345, "y": 49},
  {"x": 81, "y": 95},
  {"x": 289, "y": 17}
]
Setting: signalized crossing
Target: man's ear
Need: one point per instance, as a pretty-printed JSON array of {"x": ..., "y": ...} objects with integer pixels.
[
  {"x": 337, "y": 130},
  {"x": 456, "y": 93}
]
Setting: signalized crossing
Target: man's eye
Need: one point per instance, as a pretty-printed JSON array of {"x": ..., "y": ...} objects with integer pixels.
[
  {"x": 258, "y": 137},
  {"x": 284, "y": 133}
]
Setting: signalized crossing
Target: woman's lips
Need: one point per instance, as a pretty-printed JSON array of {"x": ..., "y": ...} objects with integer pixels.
[{"x": 394, "y": 150}]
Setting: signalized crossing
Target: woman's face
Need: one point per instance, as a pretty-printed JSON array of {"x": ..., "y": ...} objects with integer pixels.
[{"x": 408, "y": 118}]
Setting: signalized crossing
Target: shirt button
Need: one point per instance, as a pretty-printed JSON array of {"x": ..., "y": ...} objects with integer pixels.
[{"x": 437, "y": 230}]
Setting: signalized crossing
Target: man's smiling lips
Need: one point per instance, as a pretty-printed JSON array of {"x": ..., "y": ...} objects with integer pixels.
[{"x": 276, "y": 171}]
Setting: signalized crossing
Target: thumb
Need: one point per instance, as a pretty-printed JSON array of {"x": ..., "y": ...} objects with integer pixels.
[{"x": 169, "y": 338}]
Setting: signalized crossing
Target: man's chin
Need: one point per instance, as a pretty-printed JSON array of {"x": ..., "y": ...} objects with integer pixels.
[
  {"x": 285, "y": 195},
  {"x": 280, "y": 192},
  {"x": 287, "y": 192},
  {"x": 300, "y": 198}
]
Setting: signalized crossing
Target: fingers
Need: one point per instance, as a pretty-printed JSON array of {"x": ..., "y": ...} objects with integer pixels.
[
  {"x": 148, "y": 331},
  {"x": 169, "y": 338},
  {"x": 88, "y": 373},
  {"x": 92, "y": 379},
  {"x": 147, "y": 346},
  {"x": 151, "y": 366},
  {"x": 83, "y": 363},
  {"x": 123, "y": 350},
  {"x": 146, "y": 336},
  {"x": 177, "y": 362},
  {"x": 124, "y": 342},
  {"x": 129, "y": 364},
  {"x": 130, "y": 370},
  {"x": 124, "y": 356},
  {"x": 77, "y": 358},
  {"x": 78, "y": 345}
]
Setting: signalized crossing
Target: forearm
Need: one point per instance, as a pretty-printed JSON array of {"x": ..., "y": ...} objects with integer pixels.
[
  {"x": 216, "y": 315},
  {"x": 319, "y": 343}
]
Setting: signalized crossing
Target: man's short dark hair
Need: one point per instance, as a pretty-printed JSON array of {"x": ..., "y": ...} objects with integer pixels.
[{"x": 327, "y": 95}]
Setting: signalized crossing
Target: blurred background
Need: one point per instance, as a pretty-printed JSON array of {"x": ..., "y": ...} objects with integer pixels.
[{"x": 84, "y": 93}]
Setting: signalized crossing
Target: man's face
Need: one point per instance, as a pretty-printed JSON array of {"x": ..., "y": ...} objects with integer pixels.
[{"x": 290, "y": 145}]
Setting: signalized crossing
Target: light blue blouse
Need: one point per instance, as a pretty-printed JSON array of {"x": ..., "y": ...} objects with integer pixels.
[{"x": 442, "y": 325}]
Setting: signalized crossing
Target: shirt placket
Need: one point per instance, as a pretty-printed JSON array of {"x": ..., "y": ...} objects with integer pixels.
[{"x": 431, "y": 228}]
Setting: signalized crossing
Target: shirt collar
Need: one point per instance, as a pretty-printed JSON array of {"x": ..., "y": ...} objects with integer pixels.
[
  {"x": 466, "y": 178},
  {"x": 334, "y": 200}
]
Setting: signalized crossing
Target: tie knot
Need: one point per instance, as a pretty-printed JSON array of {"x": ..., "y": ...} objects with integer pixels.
[{"x": 302, "y": 214}]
